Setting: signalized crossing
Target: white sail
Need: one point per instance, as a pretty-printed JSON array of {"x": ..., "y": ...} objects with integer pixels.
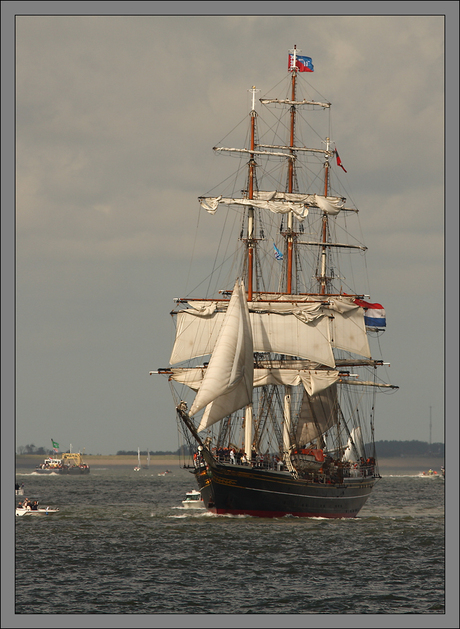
[
  {"x": 318, "y": 414},
  {"x": 227, "y": 382},
  {"x": 348, "y": 330},
  {"x": 210, "y": 204},
  {"x": 313, "y": 381},
  {"x": 330, "y": 206},
  {"x": 308, "y": 330},
  {"x": 353, "y": 451},
  {"x": 284, "y": 333},
  {"x": 278, "y": 203}
]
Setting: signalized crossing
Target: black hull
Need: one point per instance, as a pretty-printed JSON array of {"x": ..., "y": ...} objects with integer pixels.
[
  {"x": 73, "y": 471},
  {"x": 242, "y": 490}
]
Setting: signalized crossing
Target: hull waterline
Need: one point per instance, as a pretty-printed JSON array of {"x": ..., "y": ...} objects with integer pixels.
[{"x": 237, "y": 490}]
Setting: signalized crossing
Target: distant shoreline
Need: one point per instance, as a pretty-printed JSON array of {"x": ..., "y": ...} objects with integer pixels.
[
  {"x": 404, "y": 464},
  {"x": 96, "y": 460}
]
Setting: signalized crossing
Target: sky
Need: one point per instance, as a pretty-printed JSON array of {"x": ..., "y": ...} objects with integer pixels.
[{"x": 116, "y": 117}]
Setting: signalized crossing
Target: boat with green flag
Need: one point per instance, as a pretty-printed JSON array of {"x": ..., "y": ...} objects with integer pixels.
[{"x": 66, "y": 463}]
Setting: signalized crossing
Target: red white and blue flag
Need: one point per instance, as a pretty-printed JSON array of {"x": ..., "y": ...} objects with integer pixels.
[
  {"x": 374, "y": 314},
  {"x": 339, "y": 161},
  {"x": 303, "y": 64}
]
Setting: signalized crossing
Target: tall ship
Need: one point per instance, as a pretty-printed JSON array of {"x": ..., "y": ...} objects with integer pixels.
[{"x": 272, "y": 374}]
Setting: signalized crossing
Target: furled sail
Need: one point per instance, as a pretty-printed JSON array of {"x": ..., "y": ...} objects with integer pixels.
[
  {"x": 313, "y": 381},
  {"x": 278, "y": 203},
  {"x": 210, "y": 204},
  {"x": 227, "y": 382},
  {"x": 318, "y": 413},
  {"x": 330, "y": 206}
]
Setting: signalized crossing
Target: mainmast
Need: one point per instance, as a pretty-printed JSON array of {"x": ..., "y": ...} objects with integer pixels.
[
  {"x": 290, "y": 239},
  {"x": 252, "y": 166},
  {"x": 291, "y": 172}
]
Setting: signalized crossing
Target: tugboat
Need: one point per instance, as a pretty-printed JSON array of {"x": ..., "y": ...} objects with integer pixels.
[{"x": 69, "y": 463}]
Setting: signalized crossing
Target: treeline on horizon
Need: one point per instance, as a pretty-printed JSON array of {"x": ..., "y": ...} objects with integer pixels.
[{"x": 383, "y": 449}]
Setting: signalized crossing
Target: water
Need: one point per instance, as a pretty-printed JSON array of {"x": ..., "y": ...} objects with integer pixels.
[{"x": 122, "y": 544}]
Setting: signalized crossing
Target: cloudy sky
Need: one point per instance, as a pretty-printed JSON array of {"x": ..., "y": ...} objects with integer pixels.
[{"x": 116, "y": 117}]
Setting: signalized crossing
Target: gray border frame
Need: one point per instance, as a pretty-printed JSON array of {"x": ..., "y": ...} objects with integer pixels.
[{"x": 9, "y": 10}]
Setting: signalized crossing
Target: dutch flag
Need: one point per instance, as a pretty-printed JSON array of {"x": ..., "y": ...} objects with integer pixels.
[{"x": 374, "y": 314}]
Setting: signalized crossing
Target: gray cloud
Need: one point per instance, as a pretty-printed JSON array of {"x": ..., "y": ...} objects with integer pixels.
[{"x": 116, "y": 118}]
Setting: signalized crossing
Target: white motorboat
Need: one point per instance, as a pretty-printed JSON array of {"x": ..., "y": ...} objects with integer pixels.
[
  {"x": 193, "y": 500},
  {"x": 20, "y": 511}
]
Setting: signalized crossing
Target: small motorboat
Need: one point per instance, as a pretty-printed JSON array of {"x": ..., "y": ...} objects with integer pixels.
[
  {"x": 431, "y": 474},
  {"x": 193, "y": 500},
  {"x": 165, "y": 473},
  {"x": 20, "y": 511}
]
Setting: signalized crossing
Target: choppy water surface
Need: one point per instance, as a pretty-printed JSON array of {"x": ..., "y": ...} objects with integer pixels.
[{"x": 123, "y": 544}]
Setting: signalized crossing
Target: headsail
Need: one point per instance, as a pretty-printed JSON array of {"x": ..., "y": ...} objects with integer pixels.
[
  {"x": 354, "y": 449},
  {"x": 227, "y": 383}
]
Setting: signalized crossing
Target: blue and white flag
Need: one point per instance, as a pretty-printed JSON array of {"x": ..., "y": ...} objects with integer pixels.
[
  {"x": 278, "y": 254},
  {"x": 303, "y": 64}
]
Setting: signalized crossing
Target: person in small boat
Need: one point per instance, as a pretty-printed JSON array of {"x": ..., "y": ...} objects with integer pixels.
[{"x": 34, "y": 506}]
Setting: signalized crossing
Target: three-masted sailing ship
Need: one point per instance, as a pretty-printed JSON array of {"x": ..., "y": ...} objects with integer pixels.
[{"x": 278, "y": 361}]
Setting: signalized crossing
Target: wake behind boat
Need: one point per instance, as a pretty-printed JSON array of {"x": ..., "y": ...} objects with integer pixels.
[{"x": 271, "y": 374}]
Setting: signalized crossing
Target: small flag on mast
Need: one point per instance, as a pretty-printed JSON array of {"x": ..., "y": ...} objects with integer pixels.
[
  {"x": 55, "y": 445},
  {"x": 303, "y": 64},
  {"x": 339, "y": 161},
  {"x": 278, "y": 254}
]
